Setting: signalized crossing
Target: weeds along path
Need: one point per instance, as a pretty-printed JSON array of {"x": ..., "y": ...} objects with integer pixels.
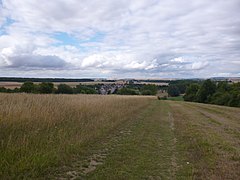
[
  {"x": 208, "y": 141},
  {"x": 142, "y": 149}
]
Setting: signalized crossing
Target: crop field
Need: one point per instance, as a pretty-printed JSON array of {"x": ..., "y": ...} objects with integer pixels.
[
  {"x": 116, "y": 137},
  {"x": 12, "y": 85}
]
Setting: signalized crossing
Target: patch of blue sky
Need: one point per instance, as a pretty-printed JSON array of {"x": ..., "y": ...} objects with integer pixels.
[
  {"x": 65, "y": 39},
  {"x": 68, "y": 39},
  {"x": 97, "y": 37},
  {"x": 7, "y": 22}
]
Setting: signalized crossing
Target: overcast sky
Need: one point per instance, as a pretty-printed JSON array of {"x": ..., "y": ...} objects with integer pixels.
[{"x": 120, "y": 38}]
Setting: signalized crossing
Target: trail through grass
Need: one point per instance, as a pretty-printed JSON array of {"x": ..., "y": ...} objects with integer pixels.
[
  {"x": 146, "y": 153},
  {"x": 173, "y": 140},
  {"x": 116, "y": 137}
]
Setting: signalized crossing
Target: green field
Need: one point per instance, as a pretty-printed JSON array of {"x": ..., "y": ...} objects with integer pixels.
[
  {"x": 116, "y": 137},
  {"x": 178, "y": 98}
]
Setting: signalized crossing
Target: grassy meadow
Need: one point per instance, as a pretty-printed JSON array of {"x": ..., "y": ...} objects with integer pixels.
[
  {"x": 116, "y": 137},
  {"x": 38, "y": 132}
]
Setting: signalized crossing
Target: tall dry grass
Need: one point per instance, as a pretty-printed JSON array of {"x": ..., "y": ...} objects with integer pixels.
[{"x": 41, "y": 131}]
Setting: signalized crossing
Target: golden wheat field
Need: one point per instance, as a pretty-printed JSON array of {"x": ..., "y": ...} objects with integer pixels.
[{"x": 41, "y": 131}]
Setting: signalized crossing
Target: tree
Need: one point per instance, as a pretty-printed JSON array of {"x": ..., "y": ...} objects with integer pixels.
[
  {"x": 149, "y": 89},
  {"x": 191, "y": 92},
  {"x": 127, "y": 91},
  {"x": 223, "y": 86},
  {"x": 147, "y": 92},
  {"x": 3, "y": 89},
  {"x": 173, "y": 91},
  {"x": 221, "y": 98},
  {"x": 27, "y": 87},
  {"x": 46, "y": 88},
  {"x": 182, "y": 84},
  {"x": 234, "y": 99},
  {"x": 64, "y": 89},
  {"x": 205, "y": 92},
  {"x": 82, "y": 89}
]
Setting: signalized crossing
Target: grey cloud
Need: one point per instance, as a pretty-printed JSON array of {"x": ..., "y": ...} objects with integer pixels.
[{"x": 36, "y": 62}]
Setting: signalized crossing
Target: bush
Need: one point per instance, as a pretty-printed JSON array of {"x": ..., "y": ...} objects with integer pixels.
[
  {"x": 3, "y": 89},
  {"x": 127, "y": 91},
  {"x": 28, "y": 87},
  {"x": 205, "y": 92},
  {"x": 149, "y": 89},
  {"x": 191, "y": 92},
  {"x": 147, "y": 92},
  {"x": 46, "y": 88},
  {"x": 220, "y": 98},
  {"x": 162, "y": 98},
  {"x": 64, "y": 89},
  {"x": 81, "y": 89},
  {"x": 173, "y": 91}
]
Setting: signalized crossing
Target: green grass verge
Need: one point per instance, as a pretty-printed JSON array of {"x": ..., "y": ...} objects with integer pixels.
[{"x": 178, "y": 98}]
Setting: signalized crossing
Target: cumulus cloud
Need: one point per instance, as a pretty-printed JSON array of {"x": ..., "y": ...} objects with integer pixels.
[
  {"x": 117, "y": 61},
  {"x": 147, "y": 38}
]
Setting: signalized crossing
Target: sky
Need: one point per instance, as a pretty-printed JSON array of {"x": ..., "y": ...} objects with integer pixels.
[{"x": 120, "y": 38}]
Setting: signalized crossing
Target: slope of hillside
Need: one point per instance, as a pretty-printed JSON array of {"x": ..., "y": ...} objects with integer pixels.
[
  {"x": 39, "y": 132},
  {"x": 169, "y": 140},
  {"x": 113, "y": 137}
]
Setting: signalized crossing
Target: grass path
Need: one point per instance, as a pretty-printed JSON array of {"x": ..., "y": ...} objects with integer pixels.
[
  {"x": 169, "y": 140},
  {"x": 122, "y": 138},
  {"x": 146, "y": 153},
  {"x": 143, "y": 148}
]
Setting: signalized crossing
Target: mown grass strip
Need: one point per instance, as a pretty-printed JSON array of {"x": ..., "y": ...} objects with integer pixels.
[{"x": 146, "y": 153}]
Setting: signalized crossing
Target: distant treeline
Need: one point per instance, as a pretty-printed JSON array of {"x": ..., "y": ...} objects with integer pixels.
[
  {"x": 139, "y": 89},
  {"x": 178, "y": 87},
  {"x": 220, "y": 93},
  {"x": 48, "y": 88},
  {"x": 208, "y": 91},
  {"x": 16, "y": 79}
]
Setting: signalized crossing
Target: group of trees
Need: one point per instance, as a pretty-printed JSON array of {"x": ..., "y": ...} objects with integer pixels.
[
  {"x": 178, "y": 87},
  {"x": 138, "y": 89},
  {"x": 220, "y": 93},
  {"x": 48, "y": 88}
]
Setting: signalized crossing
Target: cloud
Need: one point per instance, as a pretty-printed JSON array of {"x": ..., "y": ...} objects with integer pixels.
[
  {"x": 198, "y": 65},
  {"x": 178, "y": 60},
  {"x": 31, "y": 62},
  {"x": 36, "y": 61},
  {"x": 120, "y": 38},
  {"x": 118, "y": 61}
]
